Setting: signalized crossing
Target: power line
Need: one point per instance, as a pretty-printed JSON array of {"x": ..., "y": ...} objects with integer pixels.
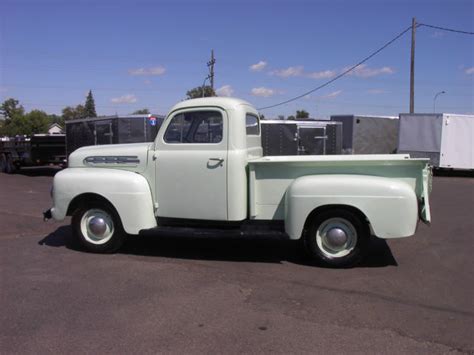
[
  {"x": 445, "y": 29},
  {"x": 343, "y": 73}
]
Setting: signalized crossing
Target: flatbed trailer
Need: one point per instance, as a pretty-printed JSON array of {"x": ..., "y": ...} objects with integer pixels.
[{"x": 37, "y": 150}]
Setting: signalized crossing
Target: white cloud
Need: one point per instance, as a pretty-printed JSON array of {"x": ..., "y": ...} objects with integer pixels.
[
  {"x": 263, "y": 92},
  {"x": 332, "y": 95},
  {"x": 376, "y": 91},
  {"x": 225, "y": 90},
  {"x": 288, "y": 72},
  {"x": 469, "y": 71},
  {"x": 437, "y": 34},
  {"x": 300, "y": 71},
  {"x": 124, "y": 99},
  {"x": 259, "y": 66},
  {"x": 325, "y": 74},
  {"x": 159, "y": 70},
  {"x": 363, "y": 71}
]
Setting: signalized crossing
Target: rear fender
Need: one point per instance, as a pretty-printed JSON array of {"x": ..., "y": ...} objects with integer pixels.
[
  {"x": 390, "y": 205},
  {"x": 128, "y": 192}
]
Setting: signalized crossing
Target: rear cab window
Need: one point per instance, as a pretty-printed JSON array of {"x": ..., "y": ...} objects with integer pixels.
[{"x": 252, "y": 125}]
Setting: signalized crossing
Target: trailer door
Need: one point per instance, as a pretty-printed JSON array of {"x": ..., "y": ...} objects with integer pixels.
[
  {"x": 456, "y": 142},
  {"x": 103, "y": 133}
]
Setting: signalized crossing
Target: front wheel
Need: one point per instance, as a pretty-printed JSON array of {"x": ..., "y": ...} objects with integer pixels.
[
  {"x": 337, "y": 238},
  {"x": 98, "y": 228}
]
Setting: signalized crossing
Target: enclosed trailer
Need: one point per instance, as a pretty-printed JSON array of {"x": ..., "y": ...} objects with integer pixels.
[
  {"x": 301, "y": 137},
  {"x": 111, "y": 130},
  {"x": 446, "y": 139},
  {"x": 368, "y": 134}
]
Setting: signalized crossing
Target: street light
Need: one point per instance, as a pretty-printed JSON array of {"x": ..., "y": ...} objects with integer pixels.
[{"x": 434, "y": 99}]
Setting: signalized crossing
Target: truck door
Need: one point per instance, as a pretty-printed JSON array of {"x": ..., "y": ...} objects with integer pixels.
[{"x": 191, "y": 165}]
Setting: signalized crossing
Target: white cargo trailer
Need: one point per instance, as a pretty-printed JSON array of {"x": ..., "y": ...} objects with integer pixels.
[
  {"x": 447, "y": 139},
  {"x": 368, "y": 134}
]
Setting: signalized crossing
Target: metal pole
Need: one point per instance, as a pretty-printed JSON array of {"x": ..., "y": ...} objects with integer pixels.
[
  {"x": 434, "y": 100},
  {"x": 412, "y": 67},
  {"x": 210, "y": 64}
]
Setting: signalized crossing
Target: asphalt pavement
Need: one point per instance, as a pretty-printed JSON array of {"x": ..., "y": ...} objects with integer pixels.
[{"x": 176, "y": 294}]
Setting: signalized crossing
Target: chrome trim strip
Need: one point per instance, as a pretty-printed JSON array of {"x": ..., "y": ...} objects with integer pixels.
[{"x": 112, "y": 159}]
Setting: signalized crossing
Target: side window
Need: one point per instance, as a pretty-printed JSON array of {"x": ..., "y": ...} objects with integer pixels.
[
  {"x": 195, "y": 127},
  {"x": 209, "y": 129},
  {"x": 252, "y": 125},
  {"x": 178, "y": 130}
]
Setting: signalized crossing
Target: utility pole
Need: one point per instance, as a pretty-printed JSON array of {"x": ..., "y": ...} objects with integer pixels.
[
  {"x": 412, "y": 67},
  {"x": 210, "y": 64}
]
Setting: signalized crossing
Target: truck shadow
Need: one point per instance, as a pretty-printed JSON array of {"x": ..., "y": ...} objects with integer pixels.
[{"x": 221, "y": 248}]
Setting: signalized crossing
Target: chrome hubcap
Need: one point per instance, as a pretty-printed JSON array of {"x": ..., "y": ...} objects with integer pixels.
[
  {"x": 97, "y": 226},
  {"x": 336, "y": 237}
]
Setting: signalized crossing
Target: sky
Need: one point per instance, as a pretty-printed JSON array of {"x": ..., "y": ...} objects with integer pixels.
[{"x": 147, "y": 54}]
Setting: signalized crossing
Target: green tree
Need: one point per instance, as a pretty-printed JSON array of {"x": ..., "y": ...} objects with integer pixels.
[
  {"x": 291, "y": 118},
  {"x": 143, "y": 111},
  {"x": 37, "y": 122},
  {"x": 281, "y": 117},
  {"x": 90, "y": 105},
  {"x": 13, "y": 113},
  {"x": 198, "y": 92},
  {"x": 11, "y": 108},
  {"x": 73, "y": 113},
  {"x": 302, "y": 114},
  {"x": 33, "y": 122}
]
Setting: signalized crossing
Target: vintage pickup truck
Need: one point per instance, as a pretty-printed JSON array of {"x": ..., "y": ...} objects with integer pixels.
[{"x": 205, "y": 169}]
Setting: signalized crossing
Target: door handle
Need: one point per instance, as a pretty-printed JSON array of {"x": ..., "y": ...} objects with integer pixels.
[{"x": 220, "y": 160}]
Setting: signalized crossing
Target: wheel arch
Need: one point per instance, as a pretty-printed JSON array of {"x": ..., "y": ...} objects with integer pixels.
[
  {"x": 389, "y": 205},
  {"x": 128, "y": 193},
  {"x": 85, "y": 198},
  {"x": 325, "y": 208}
]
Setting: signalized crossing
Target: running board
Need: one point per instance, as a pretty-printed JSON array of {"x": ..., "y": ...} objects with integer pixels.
[{"x": 245, "y": 229}]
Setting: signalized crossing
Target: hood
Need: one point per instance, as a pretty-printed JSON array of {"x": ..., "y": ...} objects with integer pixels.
[{"x": 132, "y": 157}]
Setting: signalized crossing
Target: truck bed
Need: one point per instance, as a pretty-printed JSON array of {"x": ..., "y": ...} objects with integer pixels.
[{"x": 270, "y": 177}]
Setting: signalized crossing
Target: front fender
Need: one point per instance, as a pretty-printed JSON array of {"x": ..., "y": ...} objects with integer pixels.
[
  {"x": 128, "y": 192},
  {"x": 390, "y": 205}
]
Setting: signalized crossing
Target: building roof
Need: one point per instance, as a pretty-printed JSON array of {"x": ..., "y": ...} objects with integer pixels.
[{"x": 55, "y": 125}]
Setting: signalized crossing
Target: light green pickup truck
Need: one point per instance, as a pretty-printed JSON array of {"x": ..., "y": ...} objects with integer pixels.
[{"x": 206, "y": 170}]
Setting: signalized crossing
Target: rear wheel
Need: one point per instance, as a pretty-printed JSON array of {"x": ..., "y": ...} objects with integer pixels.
[
  {"x": 337, "y": 238},
  {"x": 97, "y": 227}
]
